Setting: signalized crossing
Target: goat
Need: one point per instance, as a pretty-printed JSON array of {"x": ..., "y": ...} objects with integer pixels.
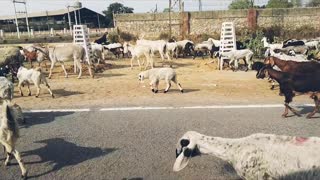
[
  {"x": 292, "y": 42},
  {"x": 295, "y": 49},
  {"x": 6, "y": 89},
  {"x": 172, "y": 48},
  {"x": 115, "y": 48},
  {"x": 102, "y": 40},
  {"x": 30, "y": 56},
  {"x": 313, "y": 44},
  {"x": 9, "y": 134},
  {"x": 280, "y": 55},
  {"x": 258, "y": 156},
  {"x": 235, "y": 55},
  {"x": 157, "y": 74},
  {"x": 32, "y": 75},
  {"x": 65, "y": 53},
  {"x": 97, "y": 51},
  {"x": 156, "y": 46},
  {"x": 186, "y": 47},
  {"x": 203, "y": 48},
  {"x": 271, "y": 46},
  {"x": 290, "y": 83},
  {"x": 139, "y": 51}
]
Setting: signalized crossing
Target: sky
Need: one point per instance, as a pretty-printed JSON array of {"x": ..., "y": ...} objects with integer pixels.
[{"x": 140, "y": 6}]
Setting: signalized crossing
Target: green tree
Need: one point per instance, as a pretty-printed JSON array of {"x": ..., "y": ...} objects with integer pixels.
[
  {"x": 279, "y": 4},
  {"x": 241, "y": 4},
  {"x": 115, "y": 8},
  {"x": 314, "y": 3}
]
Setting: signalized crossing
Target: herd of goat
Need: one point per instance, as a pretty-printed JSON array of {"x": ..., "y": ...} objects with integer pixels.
[{"x": 286, "y": 63}]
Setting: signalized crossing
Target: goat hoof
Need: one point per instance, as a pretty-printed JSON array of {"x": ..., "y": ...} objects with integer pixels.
[
  {"x": 152, "y": 90},
  {"x": 284, "y": 115},
  {"x": 21, "y": 94},
  {"x": 181, "y": 91},
  {"x": 165, "y": 91},
  {"x": 156, "y": 91},
  {"x": 36, "y": 96},
  {"x": 24, "y": 176},
  {"x": 29, "y": 94},
  {"x": 52, "y": 96}
]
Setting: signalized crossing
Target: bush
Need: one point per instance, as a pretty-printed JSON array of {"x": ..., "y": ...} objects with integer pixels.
[
  {"x": 127, "y": 36},
  {"x": 113, "y": 37},
  {"x": 164, "y": 36}
]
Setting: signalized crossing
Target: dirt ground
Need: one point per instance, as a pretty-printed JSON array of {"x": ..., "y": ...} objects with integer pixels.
[{"x": 119, "y": 86}]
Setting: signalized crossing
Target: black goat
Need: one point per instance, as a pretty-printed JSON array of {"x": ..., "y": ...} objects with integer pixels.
[
  {"x": 291, "y": 83},
  {"x": 102, "y": 40},
  {"x": 292, "y": 42}
]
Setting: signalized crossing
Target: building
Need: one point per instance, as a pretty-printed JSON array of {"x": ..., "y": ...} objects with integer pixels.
[{"x": 58, "y": 20}]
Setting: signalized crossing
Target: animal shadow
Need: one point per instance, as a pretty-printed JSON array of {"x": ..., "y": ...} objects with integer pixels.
[
  {"x": 42, "y": 118},
  {"x": 308, "y": 109},
  {"x": 60, "y": 154},
  {"x": 63, "y": 92}
]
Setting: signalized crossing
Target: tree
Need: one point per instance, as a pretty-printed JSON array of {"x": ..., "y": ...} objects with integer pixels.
[
  {"x": 115, "y": 8},
  {"x": 314, "y": 3},
  {"x": 279, "y": 4},
  {"x": 241, "y": 4}
]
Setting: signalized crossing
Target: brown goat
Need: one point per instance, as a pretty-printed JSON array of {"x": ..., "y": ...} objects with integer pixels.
[{"x": 30, "y": 56}]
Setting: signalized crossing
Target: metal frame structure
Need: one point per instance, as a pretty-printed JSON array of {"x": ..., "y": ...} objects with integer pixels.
[{"x": 21, "y": 12}]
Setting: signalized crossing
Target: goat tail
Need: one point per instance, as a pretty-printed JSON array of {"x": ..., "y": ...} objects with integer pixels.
[{"x": 8, "y": 119}]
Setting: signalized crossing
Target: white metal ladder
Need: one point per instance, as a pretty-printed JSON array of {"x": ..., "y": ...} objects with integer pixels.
[
  {"x": 81, "y": 37},
  {"x": 228, "y": 41}
]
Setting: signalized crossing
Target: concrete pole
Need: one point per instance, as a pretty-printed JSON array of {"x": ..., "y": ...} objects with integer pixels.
[
  {"x": 27, "y": 19},
  {"x": 69, "y": 19},
  {"x": 17, "y": 24},
  {"x": 170, "y": 30},
  {"x": 1, "y": 33},
  {"x": 75, "y": 15}
]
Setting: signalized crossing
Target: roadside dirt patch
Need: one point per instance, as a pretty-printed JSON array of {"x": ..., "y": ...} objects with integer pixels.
[{"x": 118, "y": 85}]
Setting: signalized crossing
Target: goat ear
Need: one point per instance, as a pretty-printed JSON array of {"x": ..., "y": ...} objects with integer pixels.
[{"x": 181, "y": 161}]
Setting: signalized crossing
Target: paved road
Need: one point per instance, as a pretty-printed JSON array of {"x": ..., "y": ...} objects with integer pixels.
[{"x": 138, "y": 144}]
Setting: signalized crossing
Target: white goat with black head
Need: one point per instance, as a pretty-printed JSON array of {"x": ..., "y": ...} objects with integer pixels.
[
  {"x": 157, "y": 74},
  {"x": 258, "y": 156},
  {"x": 9, "y": 134}
]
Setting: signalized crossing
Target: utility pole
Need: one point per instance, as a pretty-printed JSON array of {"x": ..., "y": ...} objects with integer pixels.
[
  {"x": 170, "y": 30},
  {"x": 98, "y": 21},
  {"x": 69, "y": 19},
  {"x": 22, "y": 12},
  {"x": 200, "y": 5},
  {"x": 17, "y": 24}
]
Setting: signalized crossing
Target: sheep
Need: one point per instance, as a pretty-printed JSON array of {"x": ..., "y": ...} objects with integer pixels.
[
  {"x": 139, "y": 51},
  {"x": 6, "y": 89},
  {"x": 9, "y": 134},
  {"x": 159, "y": 45},
  {"x": 157, "y": 74},
  {"x": 257, "y": 156},
  {"x": 235, "y": 55},
  {"x": 32, "y": 75}
]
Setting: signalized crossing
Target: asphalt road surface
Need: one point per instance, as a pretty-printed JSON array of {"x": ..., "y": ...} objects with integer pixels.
[{"x": 138, "y": 144}]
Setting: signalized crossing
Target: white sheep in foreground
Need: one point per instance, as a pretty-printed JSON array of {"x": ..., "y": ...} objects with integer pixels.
[
  {"x": 32, "y": 75},
  {"x": 9, "y": 134},
  {"x": 6, "y": 88},
  {"x": 235, "y": 55},
  {"x": 139, "y": 51},
  {"x": 258, "y": 156},
  {"x": 157, "y": 74},
  {"x": 156, "y": 46}
]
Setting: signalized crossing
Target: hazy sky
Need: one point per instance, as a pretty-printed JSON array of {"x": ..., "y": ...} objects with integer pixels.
[{"x": 100, "y": 5}]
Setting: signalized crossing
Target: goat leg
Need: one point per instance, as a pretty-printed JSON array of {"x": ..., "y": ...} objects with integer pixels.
[
  {"x": 316, "y": 108},
  {"x": 295, "y": 112}
]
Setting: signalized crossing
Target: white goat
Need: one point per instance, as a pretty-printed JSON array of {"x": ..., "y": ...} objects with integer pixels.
[
  {"x": 312, "y": 44},
  {"x": 139, "y": 51},
  {"x": 66, "y": 53},
  {"x": 216, "y": 43},
  {"x": 186, "y": 46},
  {"x": 9, "y": 134},
  {"x": 258, "y": 156},
  {"x": 156, "y": 46},
  {"x": 172, "y": 49},
  {"x": 98, "y": 51},
  {"x": 32, "y": 75},
  {"x": 271, "y": 46},
  {"x": 297, "y": 57},
  {"x": 235, "y": 55},
  {"x": 157, "y": 74},
  {"x": 6, "y": 89}
]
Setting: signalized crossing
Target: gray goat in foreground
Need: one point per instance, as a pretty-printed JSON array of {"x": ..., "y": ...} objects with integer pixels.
[{"x": 9, "y": 134}]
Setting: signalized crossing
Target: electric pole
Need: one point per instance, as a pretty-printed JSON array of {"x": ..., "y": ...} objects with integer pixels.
[
  {"x": 200, "y": 5},
  {"x": 21, "y": 12},
  {"x": 170, "y": 30}
]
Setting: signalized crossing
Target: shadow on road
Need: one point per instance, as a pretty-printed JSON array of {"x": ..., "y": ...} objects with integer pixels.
[
  {"x": 60, "y": 154},
  {"x": 42, "y": 118},
  {"x": 63, "y": 92},
  {"x": 307, "y": 110}
]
